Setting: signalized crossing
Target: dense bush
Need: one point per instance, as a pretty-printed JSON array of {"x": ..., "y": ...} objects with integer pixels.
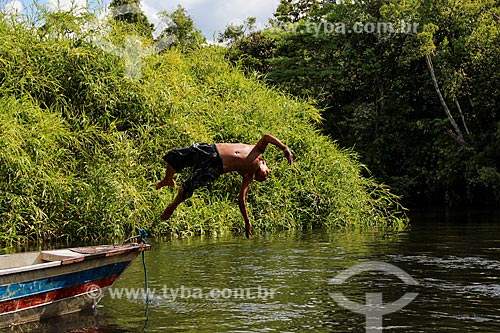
[{"x": 81, "y": 144}]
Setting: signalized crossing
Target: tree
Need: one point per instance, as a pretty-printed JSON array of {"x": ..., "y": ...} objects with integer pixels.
[
  {"x": 385, "y": 93},
  {"x": 291, "y": 11},
  {"x": 129, "y": 11},
  {"x": 180, "y": 30},
  {"x": 233, "y": 33}
]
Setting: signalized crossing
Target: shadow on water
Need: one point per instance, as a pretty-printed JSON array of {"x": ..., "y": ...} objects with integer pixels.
[{"x": 282, "y": 283}]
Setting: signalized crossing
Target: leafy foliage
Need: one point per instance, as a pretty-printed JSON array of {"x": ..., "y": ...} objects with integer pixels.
[
  {"x": 129, "y": 12},
  {"x": 82, "y": 144},
  {"x": 180, "y": 31},
  {"x": 419, "y": 107}
]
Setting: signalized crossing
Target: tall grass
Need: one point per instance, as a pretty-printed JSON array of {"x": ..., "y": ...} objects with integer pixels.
[{"x": 81, "y": 145}]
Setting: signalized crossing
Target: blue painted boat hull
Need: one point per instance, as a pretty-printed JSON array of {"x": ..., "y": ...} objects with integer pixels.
[{"x": 45, "y": 284}]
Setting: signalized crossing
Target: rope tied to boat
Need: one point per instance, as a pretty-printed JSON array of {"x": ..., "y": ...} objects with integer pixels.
[{"x": 143, "y": 235}]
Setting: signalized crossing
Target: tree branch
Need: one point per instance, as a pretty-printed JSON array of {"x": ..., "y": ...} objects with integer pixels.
[{"x": 462, "y": 116}]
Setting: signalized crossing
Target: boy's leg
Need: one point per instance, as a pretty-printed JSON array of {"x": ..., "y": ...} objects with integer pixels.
[
  {"x": 173, "y": 205},
  {"x": 199, "y": 178},
  {"x": 177, "y": 160},
  {"x": 169, "y": 178}
]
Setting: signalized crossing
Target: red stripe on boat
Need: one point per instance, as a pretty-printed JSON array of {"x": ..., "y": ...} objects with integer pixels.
[{"x": 51, "y": 296}]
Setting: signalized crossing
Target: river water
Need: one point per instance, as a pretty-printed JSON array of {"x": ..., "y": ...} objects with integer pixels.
[{"x": 285, "y": 283}]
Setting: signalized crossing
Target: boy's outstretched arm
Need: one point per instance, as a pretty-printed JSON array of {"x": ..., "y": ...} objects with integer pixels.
[
  {"x": 269, "y": 139},
  {"x": 242, "y": 204}
]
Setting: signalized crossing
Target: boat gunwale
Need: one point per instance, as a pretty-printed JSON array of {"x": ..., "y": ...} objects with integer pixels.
[{"x": 79, "y": 257}]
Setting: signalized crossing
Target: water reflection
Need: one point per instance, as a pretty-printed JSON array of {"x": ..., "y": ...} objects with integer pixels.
[
  {"x": 296, "y": 268},
  {"x": 456, "y": 266}
]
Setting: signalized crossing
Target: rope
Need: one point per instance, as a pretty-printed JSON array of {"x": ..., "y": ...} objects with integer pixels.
[
  {"x": 146, "y": 282},
  {"x": 143, "y": 235},
  {"x": 146, "y": 311}
]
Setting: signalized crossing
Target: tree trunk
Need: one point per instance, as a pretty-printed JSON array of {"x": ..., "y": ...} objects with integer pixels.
[{"x": 458, "y": 136}]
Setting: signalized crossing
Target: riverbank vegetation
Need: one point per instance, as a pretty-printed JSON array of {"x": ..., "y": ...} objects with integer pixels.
[
  {"x": 420, "y": 106},
  {"x": 82, "y": 133}
]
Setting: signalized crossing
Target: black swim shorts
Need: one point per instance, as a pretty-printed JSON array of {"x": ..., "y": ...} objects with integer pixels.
[{"x": 205, "y": 161}]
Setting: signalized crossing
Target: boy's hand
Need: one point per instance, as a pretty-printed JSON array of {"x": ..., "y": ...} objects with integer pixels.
[
  {"x": 248, "y": 231},
  {"x": 288, "y": 155}
]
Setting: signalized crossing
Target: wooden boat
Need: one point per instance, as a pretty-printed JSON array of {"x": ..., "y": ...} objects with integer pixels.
[{"x": 44, "y": 284}]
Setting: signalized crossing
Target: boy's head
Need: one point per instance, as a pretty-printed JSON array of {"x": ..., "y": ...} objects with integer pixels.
[{"x": 262, "y": 172}]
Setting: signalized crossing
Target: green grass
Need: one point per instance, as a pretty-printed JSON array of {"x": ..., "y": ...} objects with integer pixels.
[{"x": 82, "y": 146}]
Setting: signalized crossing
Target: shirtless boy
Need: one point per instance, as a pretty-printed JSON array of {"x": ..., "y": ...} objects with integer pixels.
[{"x": 208, "y": 162}]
